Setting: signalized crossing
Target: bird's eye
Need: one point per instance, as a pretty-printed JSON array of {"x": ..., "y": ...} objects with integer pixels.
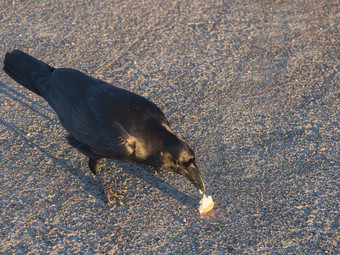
[
  {"x": 189, "y": 162},
  {"x": 175, "y": 161},
  {"x": 186, "y": 164}
]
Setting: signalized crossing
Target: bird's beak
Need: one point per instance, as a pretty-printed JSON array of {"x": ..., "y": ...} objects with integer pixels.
[{"x": 194, "y": 176}]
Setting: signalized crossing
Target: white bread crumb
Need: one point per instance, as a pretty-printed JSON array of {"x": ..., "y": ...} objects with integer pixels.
[{"x": 206, "y": 204}]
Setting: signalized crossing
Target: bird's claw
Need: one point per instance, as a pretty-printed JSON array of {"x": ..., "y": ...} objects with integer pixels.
[{"x": 114, "y": 196}]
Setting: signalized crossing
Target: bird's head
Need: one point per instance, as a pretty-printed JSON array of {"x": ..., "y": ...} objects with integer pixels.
[{"x": 178, "y": 157}]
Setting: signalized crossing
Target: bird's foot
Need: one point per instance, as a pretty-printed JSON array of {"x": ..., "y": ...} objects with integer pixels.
[
  {"x": 155, "y": 171},
  {"x": 114, "y": 196}
]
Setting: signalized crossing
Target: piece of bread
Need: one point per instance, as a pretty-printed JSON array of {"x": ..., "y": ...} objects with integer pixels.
[{"x": 206, "y": 204}]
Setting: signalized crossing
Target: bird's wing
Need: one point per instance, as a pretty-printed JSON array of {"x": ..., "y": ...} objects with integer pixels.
[{"x": 81, "y": 104}]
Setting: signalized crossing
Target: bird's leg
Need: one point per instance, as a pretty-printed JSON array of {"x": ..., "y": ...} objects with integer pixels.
[
  {"x": 94, "y": 165},
  {"x": 111, "y": 194}
]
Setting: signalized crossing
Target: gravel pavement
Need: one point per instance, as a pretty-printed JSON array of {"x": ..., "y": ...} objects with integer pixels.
[{"x": 252, "y": 86}]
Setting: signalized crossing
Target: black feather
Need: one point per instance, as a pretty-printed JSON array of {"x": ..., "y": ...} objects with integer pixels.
[{"x": 105, "y": 121}]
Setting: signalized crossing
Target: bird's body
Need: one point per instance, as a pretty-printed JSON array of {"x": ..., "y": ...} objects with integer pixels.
[
  {"x": 104, "y": 121},
  {"x": 97, "y": 125}
]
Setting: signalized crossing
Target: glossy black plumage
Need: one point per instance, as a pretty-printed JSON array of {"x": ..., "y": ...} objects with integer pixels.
[{"x": 104, "y": 121}]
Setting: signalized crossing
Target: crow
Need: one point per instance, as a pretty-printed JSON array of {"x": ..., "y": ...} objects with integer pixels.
[{"x": 104, "y": 121}]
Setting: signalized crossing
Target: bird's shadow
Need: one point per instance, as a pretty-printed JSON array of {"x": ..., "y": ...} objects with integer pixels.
[
  {"x": 144, "y": 175},
  {"x": 87, "y": 180},
  {"x": 147, "y": 175}
]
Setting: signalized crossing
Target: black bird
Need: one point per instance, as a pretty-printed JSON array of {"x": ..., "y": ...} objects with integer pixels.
[{"x": 104, "y": 121}]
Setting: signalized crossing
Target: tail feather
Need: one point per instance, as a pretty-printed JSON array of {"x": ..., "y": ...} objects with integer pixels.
[{"x": 27, "y": 71}]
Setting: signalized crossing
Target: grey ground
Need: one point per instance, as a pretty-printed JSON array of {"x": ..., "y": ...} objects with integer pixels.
[{"x": 252, "y": 86}]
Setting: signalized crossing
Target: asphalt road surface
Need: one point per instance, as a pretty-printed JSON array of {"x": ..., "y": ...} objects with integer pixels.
[{"x": 252, "y": 86}]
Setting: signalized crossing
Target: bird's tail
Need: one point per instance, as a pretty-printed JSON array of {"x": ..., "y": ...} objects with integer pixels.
[{"x": 28, "y": 71}]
